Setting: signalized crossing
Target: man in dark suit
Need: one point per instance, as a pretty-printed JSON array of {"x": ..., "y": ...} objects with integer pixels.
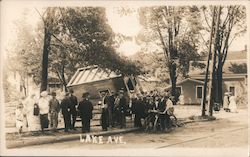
[
  {"x": 162, "y": 108},
  {"x": 122, "y": 110},
  {"x": 85, "y": 108},
  {"x": 105, "y": 112},
  {"x": 111, "y": 111},
  {"x": 66, "y": 112},
  {"x": 138, "y": 109},
  {"x": 73, "y": 113}
]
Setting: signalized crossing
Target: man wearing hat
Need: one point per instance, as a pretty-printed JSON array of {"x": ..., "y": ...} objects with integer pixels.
[
  {"x": 66, "y": 111},
  {"x": 138, "y": 109},
  {"x": 122, "y": 109},
  {"x": 105, "y": 112},
  {"x": 85, "y": 108},
  {"x": 54, "y": 109},
  {"x": 169, "y": 111},
  {"x": 111, "y": 106},
  {"x": 73, "y": 113}
]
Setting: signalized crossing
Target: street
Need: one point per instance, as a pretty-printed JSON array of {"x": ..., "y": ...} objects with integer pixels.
[{"x": 229, "y": 130}]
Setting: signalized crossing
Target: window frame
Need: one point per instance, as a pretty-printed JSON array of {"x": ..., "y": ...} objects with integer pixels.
[
  {"x": 181, "y": 89},
  {"x": 196, "y": 92},
  {"x": 234, "y": 89}
]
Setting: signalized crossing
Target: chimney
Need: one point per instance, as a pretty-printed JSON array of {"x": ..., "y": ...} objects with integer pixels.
[{"x": 245, "y": 48}]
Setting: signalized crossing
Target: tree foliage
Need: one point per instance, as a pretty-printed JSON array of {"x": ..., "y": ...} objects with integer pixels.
[
  {"x": 78, "y": 37},
  {"x": 238, "y": 68},
  {"x": 89, "y": 28},
  {"x": 176, "y": 30}
]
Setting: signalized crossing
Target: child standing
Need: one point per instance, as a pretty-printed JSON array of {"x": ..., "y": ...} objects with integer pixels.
[{"x": 19, "y": 118}]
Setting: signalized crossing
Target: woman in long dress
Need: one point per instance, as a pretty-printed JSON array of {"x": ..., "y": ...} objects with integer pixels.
[
  {"x": 232, "y": 104},
  {"x": 32, "y": 120}
]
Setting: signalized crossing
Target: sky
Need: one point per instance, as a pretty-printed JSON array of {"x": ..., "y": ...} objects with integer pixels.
[{"x": 127, "y": 25}]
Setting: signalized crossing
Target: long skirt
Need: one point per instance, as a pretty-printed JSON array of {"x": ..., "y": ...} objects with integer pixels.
[
  {"x": 233, "y": 107},
  {"x": 44, "y": 121},
  {"x": 33, "y": 122}
]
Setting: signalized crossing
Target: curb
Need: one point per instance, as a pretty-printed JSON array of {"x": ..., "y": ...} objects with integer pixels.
[
  {"x": 72, "y": 137},
  {"x": 20, "y": 144},
  {"x": 193, "y": 121}
]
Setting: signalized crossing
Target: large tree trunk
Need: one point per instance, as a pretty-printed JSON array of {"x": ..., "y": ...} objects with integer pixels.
[
  {"x": 46, "y": 45},
  {"x": 63, "y": 79},
  {"x": 204, "y": 96},
  {"x": 213, "y": 78},
  {"x": 219, "y": 73},
  {"x": 173, "y": 78},
  {"x": 61, "y": 76}
]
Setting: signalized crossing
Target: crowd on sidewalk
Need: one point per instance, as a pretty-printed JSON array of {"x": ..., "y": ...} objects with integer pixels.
[{"x": 41, "y": 113}]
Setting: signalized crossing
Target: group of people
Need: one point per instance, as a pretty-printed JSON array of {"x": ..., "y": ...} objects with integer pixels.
[
  {"x": 229, "y": 103},
  {"x": 144, "y": 104},
  {"x": 42, "y": 112},
  {"x": 114, "y": 108}
]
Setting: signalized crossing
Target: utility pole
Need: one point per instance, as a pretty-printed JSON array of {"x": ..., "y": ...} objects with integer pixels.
[
  {"x": 203, "y": 103},
  {"x": 212, "y": 69}
]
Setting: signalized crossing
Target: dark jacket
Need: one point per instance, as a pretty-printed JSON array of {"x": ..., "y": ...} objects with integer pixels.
[
  {"x": 65, "y": 106},
  {"x": 85, "y": 108},
  {"x": 54, "y": 105},
  {"x": 138, "y": 106},
  {"x": 73, "y": 103},
  {"x": 162, "y": 105},
  {"x": 111, "y": 102},
  {"x": 123, "y": 105}
]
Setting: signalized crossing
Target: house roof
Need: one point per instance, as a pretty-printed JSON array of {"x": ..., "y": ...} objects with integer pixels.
[
  {"x": 234, "y": 55},
  {"x": 225, "y": 76},
  {"x": 91, "y": 74},
  {"x": 185, "y": 80},
  {"x": 226, "y": 67}
]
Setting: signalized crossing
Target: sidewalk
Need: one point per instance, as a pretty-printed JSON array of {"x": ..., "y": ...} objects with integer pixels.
[{"x": 36, "y": 138}]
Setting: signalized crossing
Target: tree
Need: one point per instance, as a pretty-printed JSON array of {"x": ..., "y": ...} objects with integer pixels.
[
  {"x": 25, "y": 52},
  {"x": 176, "y": 30},
  {"x": 232, "y": 24},
  {"x": 75, "y": 37},
  {"x": 94, "y": 39},
  {"x": 50, "y": 24}
]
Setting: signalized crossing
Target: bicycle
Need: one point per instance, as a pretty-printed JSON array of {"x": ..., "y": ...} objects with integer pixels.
[{"x": 154, "y": 123}]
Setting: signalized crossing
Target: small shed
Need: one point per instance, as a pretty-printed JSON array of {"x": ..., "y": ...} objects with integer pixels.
[{"x": 95, "y": 80}]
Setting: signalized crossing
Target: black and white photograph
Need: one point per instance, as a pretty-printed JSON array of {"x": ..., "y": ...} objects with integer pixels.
[{"x": 124, "y": 78}]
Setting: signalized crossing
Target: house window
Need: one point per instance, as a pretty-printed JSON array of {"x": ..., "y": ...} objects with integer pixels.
[
  {"x": 178, "y": 89},
  {"x": 199, "y": 92},
  {"x": 232, "y": 90}
]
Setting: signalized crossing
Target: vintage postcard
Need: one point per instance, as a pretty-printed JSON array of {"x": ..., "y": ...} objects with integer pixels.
[{"x": 124, "y": 78}]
